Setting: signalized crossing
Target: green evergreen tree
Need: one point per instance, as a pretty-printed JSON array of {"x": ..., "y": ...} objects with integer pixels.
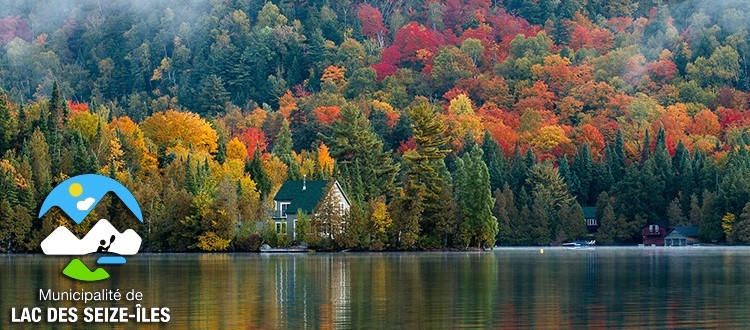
[
  {"x": 617, "y": 162},
  {"x": 612, "y": 229},
  {"x": 518, "y": 173},
  {"x": 540, "y": 232},
  {"x": 427, "y": 167},
  {"x": 646, "y": 148},
  {"x": 355, "y": 146},
  {"x": 8, "y": 124},
  {"x": 258, "y": 174},
  {"x": 39, "y": 155},
  {"x": 84, "y": 161},
  {"x": 212, "y": 96},
  {"x": 694, "y": 216},
  {"x": 478, "y": 226},
  {"x": 282, "y": 148},
  {"x": 507, "y": 215},
  {"x": 583, "y": 169},
  {"x": 675, "y": 215},
  {"x": 710, "y": 219},
  {"x": 406, "y": 208},
  {"x": 496, "y": 164},
  {"x": 572, "y": 223}
]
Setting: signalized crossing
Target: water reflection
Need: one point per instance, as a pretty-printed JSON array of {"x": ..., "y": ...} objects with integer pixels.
[{"x": 562, "y": 288}]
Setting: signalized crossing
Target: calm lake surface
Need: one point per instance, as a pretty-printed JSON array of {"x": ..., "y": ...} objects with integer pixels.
[{"x": 693, "y": 287}]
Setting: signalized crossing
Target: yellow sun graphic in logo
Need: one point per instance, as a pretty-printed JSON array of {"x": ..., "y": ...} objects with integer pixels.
[{"x": 75, "y": 190}]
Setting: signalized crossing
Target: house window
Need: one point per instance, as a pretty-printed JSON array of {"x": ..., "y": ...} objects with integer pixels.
[
  {"x": 342, "y": 210},
  {"x": 281, "y": 228},
  {"x": 653, "y": 229},
  {"x": 591, "y": 222},
  {"x": 281, "y": 207},
  {"x": 294, "y": 230}
]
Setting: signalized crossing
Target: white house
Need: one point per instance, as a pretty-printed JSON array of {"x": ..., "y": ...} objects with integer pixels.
[{"x": 303, "y": 195}]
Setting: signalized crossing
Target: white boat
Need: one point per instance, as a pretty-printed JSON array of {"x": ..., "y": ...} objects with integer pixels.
[
  {"x": 267, "y": 249},
  {"x": 580, "y": 243}
]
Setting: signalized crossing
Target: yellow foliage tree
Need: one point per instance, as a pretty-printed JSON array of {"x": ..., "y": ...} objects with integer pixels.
[
  {"x": 462, "y": 126},
  {"x": 209, "y": 241},
  {"x": 461, "y": 105},
  {"x": 277, "y": 171},
  {"x": 171, "y": 128},
  {"x": 549, "y": 137},
  {"x": 307, "y": 167},
  {"x": 380, "y": 218},
  {"x": 236, "y": 150},
  {"x": 115, "y": 163},
  {"x": 86, "y": 123}
]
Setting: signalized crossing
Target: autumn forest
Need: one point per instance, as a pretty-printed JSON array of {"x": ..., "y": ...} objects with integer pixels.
[{"x": 449, "y": 124}]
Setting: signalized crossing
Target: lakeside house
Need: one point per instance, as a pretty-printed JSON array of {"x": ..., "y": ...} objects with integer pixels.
[
  {"x": 304, "y": 195},
  {"x": 589, "y": 214},
  {"x": 682, "y": 236},
  {"x": 653, "y": 234}
]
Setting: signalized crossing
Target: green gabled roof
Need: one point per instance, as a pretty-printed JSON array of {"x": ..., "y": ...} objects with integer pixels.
[
  {"x": 306, "y": 199},
  {"x": 589, "y": 212}
]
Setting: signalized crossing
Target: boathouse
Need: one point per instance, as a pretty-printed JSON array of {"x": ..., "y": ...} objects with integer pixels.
[
  {"x": 682, "y": 236},
  {"x": 653, "y": 234}
]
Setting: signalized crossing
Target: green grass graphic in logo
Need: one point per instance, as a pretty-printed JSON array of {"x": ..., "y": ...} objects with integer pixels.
[{"x": 77, "y": 270}]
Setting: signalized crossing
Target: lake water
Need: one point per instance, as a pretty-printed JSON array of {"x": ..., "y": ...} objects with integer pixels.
[{"x": 693, "y": 287}]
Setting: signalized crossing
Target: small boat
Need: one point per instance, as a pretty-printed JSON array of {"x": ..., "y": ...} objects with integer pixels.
[
  {"x": 299, "y": 249},
  {"x": 580, "y": 243}
]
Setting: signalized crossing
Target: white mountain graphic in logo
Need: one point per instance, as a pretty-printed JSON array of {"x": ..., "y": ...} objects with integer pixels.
[{"x": 62, "y": 242}]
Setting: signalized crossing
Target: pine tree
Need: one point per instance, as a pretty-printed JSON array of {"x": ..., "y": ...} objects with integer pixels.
[
  {"x": 472, "y": 192},
  {"x": 541, "y": 234},
  {"x": 212, "y": 96},
  {"x": 612, "y": 229},
  {"x": 583, "y": 169},
  {"x": 282, "y": 148},
  {"x": 570, "y": 179},
  {"x": 258, "y": 174},
  {"x": 646, "y": 148},
  {"x": 518, "y": 173},
  {"x": 427, "y": 167},
  {"x": 572, "y": 223},
  {"x": 8, "y": 124},
  {"x": 496, "y": 164},
  {"x": 617, "y": 161},
  {"x": 55, "y": 118},
  {"x": 710, "y": 219},
  {"x": 507, "y": 215},
  {"x": 674, "y": 213},
  {"x": 39, "y": 155},
  {"x": 695, "y": 211},
  {"x": 355, "y": 145},
  {"x": 603, "y": 180},
  {"x": 406, "y": 208},
  {"x": 84, "y": 162}
]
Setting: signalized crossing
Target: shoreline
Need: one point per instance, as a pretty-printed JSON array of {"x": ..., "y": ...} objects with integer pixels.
[{"x": 477, "y": 251}]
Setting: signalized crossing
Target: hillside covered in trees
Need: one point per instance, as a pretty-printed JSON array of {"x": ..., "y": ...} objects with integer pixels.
[{"x": 459, "y": 123}]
